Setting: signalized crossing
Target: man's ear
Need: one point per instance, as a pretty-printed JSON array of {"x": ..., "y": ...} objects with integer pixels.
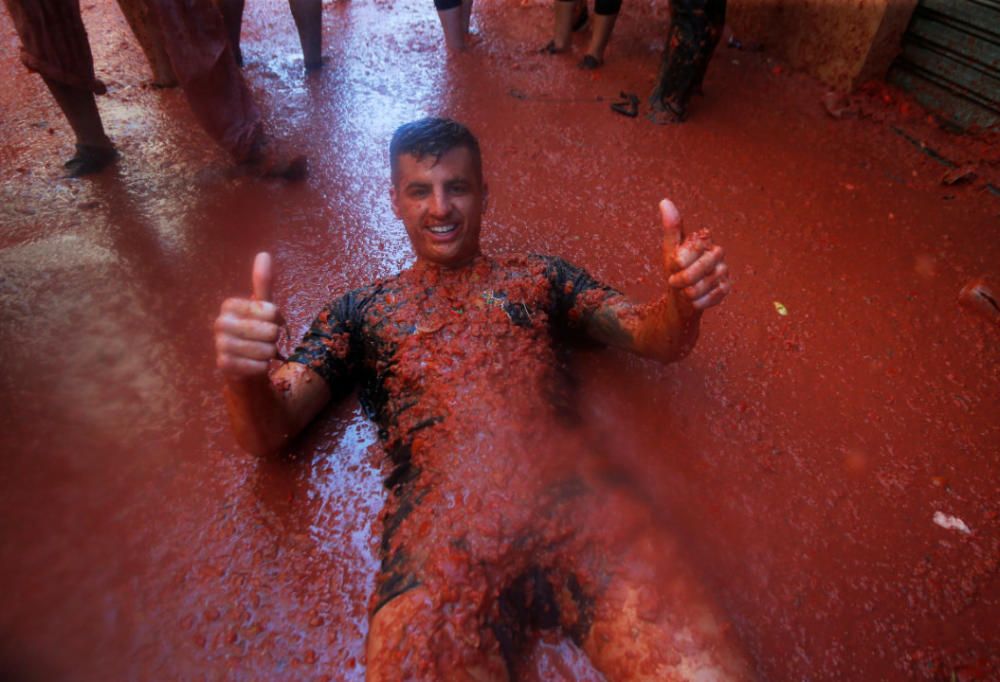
[{"x": 394, "y": 200}]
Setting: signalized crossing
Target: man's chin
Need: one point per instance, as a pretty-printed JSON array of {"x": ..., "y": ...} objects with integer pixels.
[{"x": 448, "y": 258}]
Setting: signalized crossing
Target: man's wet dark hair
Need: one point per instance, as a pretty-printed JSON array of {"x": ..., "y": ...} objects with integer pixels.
[{"x": 432, "y": 137}]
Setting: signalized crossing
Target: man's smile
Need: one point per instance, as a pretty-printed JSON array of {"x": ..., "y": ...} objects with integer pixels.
[{"x": 443, "y": 230}]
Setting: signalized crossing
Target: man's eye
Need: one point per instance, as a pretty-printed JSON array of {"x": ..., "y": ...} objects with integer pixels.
[
  {"x": 459, "y": 189},
  {"x": 419, "y": 192}
]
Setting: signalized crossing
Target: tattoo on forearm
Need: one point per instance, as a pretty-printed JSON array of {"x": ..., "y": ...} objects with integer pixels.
[{"x": 606, "y": 325}]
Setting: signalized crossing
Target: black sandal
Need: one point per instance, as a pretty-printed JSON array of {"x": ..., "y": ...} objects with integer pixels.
[
  {"x": 552, "y": 49},
  {"x": 89, "y": 159},
  {"x": 589, "y": 63},
  {"x": 628, "y": 106}
]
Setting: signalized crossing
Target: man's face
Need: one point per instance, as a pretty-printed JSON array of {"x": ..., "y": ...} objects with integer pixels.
[{"x": 441, "y": 203}]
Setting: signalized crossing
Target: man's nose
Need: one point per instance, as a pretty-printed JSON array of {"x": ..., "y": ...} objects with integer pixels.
[{"x": 440, "y": 204}]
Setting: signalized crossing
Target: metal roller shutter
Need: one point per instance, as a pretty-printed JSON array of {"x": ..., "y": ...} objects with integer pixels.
[{"x": 951, "y": 60}]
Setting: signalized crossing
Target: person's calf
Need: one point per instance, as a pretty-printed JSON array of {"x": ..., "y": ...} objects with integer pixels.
[
  {"x": 308, "y": 16},
  {"x": 564, "y": 13},
  {"x": 80, "y": 109},
  {"x": 232, "y": 17},
  {"x": 451, "y": 24},
  {"x": 600, "y": 36}
]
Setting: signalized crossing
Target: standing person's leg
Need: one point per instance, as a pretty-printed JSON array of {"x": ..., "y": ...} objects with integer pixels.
[
  {"x": 695, "y": 29},
  {"x": 308, "y": 15},
  {"x": 466, "y": 17},
  {"x": 80, "y": 109},
  {"x": 94, "y": 149},
  {"x": 232, "y": 17},
  {"x": 564, "y": 12},
  {"x": 203, "y": 60},
  {"x": 200, "y": 53},
  {"x": 147, "y": 32},
  {"x": 54, "y": 45},
  {"x": 450, "y": 14},
  {"x": 605, "y": 16},
  {"x": 715, "y": 13}
]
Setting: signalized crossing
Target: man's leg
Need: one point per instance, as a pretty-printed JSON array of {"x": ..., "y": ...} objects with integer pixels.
[
  {"x": 147, "y": 31},
  {"x": 562, "y": 25},
  {"x": 695, "y": 29},
  {"x": 94, "y": 149},
  {"x": 466, "y": 17},
  {"x": 408, "y": 640},
  {"x": 232, "y": 17},
  {"x": 450, "y": 14},
  {"x": 54, "y": 44},
  {"x": 308, "y": 15},
  {"x": 653, "y": 619},
  {"x": 652, "y": 616},
  {"x": 80, "y": 109},
  {"x": 202, "y": 58},
  {"x": 605, "y": 15},
  {"x": 683, "y": 640}
]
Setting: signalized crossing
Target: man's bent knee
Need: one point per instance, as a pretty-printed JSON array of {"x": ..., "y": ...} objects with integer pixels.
[
  {"x": 393, "y": 635},
  {"x": 405, "y": 641},
  {"x": 678, "y": 640}
]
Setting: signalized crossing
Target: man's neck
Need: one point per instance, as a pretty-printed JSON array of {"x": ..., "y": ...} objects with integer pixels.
[{"x": 425, "y": 264}]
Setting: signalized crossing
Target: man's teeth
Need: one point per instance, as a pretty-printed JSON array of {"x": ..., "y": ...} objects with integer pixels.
[{"x": 443, "y": 229}]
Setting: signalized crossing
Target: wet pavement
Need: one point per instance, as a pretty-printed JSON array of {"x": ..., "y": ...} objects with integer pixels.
[{"x": 801, "y": 452}]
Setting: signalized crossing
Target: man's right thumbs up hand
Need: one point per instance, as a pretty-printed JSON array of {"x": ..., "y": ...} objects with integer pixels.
[
  {"x": 246, "y": 330},
  {"x": 696, "y": 268}
]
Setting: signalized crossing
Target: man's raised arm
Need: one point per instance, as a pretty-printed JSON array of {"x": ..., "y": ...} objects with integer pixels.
[
  {"x": 667, "y": 329},
  {"x": 266, "y": 410}
]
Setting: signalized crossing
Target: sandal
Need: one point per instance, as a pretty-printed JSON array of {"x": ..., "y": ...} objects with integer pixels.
[
  {"x": 589, "y": 63},
  {"x": 89, "y": 159},
  {"x": 628, "y": 106}
]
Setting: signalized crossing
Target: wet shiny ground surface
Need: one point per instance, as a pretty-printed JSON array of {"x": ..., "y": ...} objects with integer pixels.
[{"x": 801, "y": 457}]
